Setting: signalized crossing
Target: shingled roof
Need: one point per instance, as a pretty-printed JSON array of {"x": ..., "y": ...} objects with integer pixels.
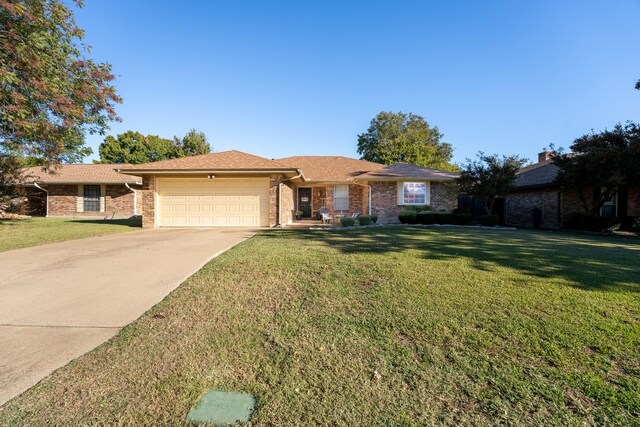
[
  {"x": 330, "y": 168},
  {"x": 407, "y": 171},
  {"x": 79, "y": 174},
  {"x": 537, "y": 175},
  {"x": 224, "y": 160}
]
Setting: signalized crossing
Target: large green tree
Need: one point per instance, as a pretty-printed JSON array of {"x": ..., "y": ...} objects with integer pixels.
[
  {"x": 407, "y": 138},
  {"x": 135, "y": 148},
  {"x": 51, "y": 93},
  {"x": 489, "y": 177},
  {"x": 601, "y": 164}
]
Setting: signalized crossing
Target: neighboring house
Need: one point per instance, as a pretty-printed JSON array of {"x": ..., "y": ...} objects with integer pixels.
[
  {"x": 232, "y": 188},
  {"x": 535, "y": 189},
  {"x": 92, "y": 190}
]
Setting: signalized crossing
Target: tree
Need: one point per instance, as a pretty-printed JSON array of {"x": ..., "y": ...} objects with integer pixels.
[
  {"x": 193, "y": 143},
  {"x": 51, "y": 94},
  {"x": 489, "y": 177},
  {"x": 406, "y": 138},
  {"x": 638, "y": 85},
  {"x": 135, "y": 148},
  {"x": 600, "y": 164}
]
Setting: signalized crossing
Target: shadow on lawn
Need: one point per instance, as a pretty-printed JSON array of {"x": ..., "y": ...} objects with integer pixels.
[
  {"x": 593, "y": 263},
  {"x": 129, "y": 222}
]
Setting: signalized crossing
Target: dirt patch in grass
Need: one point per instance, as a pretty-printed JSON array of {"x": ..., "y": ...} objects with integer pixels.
[{"x": 376, "y": 327}]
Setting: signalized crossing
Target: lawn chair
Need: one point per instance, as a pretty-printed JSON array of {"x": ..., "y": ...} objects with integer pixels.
[
  {"x": 325, "y": 215},
  {"x": 355, "y": 215}
]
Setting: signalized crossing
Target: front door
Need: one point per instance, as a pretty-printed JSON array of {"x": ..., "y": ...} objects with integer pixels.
[{"x": 304, "y": 202}]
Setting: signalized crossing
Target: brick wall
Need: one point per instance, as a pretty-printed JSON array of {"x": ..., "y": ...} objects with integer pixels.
[
  {"x": 444, "y": 196},
  {"x": 384, "y": 199},
  {"x": 148, "y": 201},
  {"x": 323, "y": 196},
  {"x": 633, "y": 202},
  {"x": 519, "y": 207},
  {"x": 63, "y": 201},
  {"x": 287, "y": 203}
]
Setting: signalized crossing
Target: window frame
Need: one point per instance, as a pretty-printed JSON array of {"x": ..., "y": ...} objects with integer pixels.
[
  {"x": 94, "y": 201},
  {"x": 344, "y": 199},
  {"x": 427, "y": 193}
]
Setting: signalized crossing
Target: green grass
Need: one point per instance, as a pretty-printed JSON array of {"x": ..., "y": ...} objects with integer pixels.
[
  {"x": 26, "y": 232},
  {"x": 463, "y": 327}
]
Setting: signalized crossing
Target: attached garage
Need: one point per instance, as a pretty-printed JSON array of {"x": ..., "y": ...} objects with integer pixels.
[{"x": 218, "y": 202}]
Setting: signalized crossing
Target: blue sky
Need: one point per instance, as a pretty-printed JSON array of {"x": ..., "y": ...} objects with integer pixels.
[{"x": 301, "y": 78}]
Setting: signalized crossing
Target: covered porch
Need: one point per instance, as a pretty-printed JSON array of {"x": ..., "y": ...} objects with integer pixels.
[{"x": 340, "y": 199}]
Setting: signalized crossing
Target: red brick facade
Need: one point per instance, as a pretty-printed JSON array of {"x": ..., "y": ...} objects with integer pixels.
[
  {"x": 62, "y": 200},
  {"x": 148, "y": 201}
]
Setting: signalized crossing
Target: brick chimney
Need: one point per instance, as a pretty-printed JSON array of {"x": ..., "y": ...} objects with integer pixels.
[{"x": 544, "y": 156}]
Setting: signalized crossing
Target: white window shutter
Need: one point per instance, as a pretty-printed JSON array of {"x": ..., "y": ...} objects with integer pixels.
[
  {"x": 80, "y": 199},
  {"x": 103, "y": 192},
  {"x": 400, "y": 193},
  {"x": 428, "y": 195}
]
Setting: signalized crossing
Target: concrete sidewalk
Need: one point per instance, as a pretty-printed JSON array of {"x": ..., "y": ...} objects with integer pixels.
[{"x": 61, "y": 300}]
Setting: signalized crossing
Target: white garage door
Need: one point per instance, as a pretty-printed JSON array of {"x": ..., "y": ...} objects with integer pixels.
[{"x": 219, "y": 202}]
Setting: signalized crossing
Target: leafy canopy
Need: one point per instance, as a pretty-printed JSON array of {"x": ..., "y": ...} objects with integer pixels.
[
  {"x": 51, "y": 94},
  {"x": 489, "y": 177},
  {"x": 605, "y": 161},
  {"x": 406, "y": 138},
  {"x": 135, "y": 148}
]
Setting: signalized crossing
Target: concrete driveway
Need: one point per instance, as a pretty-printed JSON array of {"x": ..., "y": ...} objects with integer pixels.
[{"x": 61, "y": 300}]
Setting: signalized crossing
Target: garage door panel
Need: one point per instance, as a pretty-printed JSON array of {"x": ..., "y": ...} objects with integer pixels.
[{"x": 225, "y": 202}]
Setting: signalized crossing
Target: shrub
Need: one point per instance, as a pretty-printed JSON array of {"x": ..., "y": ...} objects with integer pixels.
[
  {"x": 537, "y": 217},
  {"x": 407, "y": 216},
  {"x": 374, "y": 218},
  {"x": 586, "y": 222},
  {"x": 460, "y": 211},
  {"x": 419, "y": 208},
  {"x": 425, "y": 217},
  {"x": 489, "y": 220},
  {"x": 347, "y": 222},
  {"x": 630, "y": 223},
  {"x": 462, "y": 218},
  {"x": 443, "y": 218},
  {"x": 365, "y": 220}
]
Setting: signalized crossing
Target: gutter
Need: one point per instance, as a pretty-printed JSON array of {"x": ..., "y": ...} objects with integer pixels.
[
  {"x": 35, "y": 184},
  {"x": 135, "y": 199}
]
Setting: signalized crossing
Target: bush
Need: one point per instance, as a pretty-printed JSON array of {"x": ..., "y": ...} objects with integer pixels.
[
  {"x": 443, "y": 218},
  {"x": 460, "y": 211},
  {"x": 347, "y": 222},
  {"x": 407, "y": 216},
  {"x": 462, "y": 218},
  {"x": 425, "y": 218},
  {"x": 586, "y": 222},
  {"x": 537, "y": 217},
  {"x": 374, "y": 218},
  {"x": 630, "y": 223},
  {"x": 489, "y": 220},
  {"x": 365, "y": 220},
  {"x": 419, "y": 208}
]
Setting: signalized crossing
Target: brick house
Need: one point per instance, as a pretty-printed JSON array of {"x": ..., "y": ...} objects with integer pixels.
[
  {"x": 82, "y": 191},
  {"x": 535, "y": 189},
  {"x": 232, "y": 188}
]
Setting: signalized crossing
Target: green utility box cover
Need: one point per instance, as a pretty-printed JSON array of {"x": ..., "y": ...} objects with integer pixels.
[{"x": 223, "y": 408}]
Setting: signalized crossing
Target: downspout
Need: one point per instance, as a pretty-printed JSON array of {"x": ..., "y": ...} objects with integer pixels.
[
  {"x": 47, "y": 203},
  {"x": 135, "y": 199}
]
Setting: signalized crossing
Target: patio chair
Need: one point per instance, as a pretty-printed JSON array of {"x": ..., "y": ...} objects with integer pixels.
[
  {"x": 325, "y": 214},
  {"x": 355, "y": 215}
]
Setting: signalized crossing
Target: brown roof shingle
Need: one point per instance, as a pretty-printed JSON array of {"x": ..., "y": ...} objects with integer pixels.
[
  {"x": 79, "y": 173},
  {"x": 405, "y": 170},
  {"x": 224, "y": 160},
  {"x": 538, "y": 174},
  {"x": 330, "y": 168}
]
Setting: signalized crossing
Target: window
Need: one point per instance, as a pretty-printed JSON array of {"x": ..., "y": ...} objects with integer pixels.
[
  {"x": 610, "y": 207},
  {"x": 341, "y": 198},
  {"x": 91, "y": 198},
  {"x": 414, "y": 193}
]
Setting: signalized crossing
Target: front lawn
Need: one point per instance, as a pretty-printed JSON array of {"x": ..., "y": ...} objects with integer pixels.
[
  {"x": 25, "y": 232},
  {"x": 388, "y": 326}
]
